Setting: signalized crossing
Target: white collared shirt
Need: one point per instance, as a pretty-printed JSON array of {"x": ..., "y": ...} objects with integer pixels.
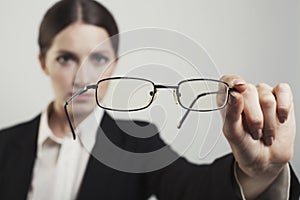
[{"x": 61, "y": 162}]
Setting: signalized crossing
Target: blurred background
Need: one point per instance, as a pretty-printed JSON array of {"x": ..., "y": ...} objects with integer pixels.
[{"x": 258, "y": 40}]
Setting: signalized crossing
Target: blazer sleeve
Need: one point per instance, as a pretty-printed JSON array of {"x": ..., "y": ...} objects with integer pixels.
[{"x": 183, "y": 180}]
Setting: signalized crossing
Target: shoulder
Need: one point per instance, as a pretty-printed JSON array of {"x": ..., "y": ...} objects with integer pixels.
[
  {"x": 19, "y": 130},
  {"x": 21, "y": 126}
]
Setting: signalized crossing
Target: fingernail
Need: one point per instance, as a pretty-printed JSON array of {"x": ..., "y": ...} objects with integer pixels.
[
  {"x": 282, "y": 119},
  {"x": 238, "y": 82},
  {"x": 257, "y": 134},
  {"x": 269, "y": 141}
]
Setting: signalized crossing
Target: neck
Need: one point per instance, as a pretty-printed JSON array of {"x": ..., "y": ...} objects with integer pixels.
[{"x": 57, "y": 120}]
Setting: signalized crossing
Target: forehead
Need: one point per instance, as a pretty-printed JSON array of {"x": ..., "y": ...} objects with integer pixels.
[{"x": 82, "y": 38}]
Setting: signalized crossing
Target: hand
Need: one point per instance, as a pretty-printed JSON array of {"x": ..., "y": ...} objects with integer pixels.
[{"x": 259, "y": 124}]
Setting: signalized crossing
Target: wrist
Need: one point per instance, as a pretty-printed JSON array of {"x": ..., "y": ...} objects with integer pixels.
[
  {"x": 261, "y": 171},
  {"x": 254, "y": 181}
]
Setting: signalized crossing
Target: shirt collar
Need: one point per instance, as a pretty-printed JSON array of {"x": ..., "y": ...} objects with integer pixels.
[
  {"x": 86, "y": 130},
  {"x": 45, "y": 132}
]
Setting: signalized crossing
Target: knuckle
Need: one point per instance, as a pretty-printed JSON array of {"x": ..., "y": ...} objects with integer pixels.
[
  {"x": 284, "y": 93},
  {"x": 283, "y": 87},
  {"x": 262, "y": 86},
  {"x": 267, "y": 101},
  {"x": 255, "y": 123},
  {"x": 223, "y": 77},
  {"x": 229, "y": 78},
  {"x": 229, "y": 134},
  {"x": 251, "y": 87},
  {"x": 226, "y": 78}
]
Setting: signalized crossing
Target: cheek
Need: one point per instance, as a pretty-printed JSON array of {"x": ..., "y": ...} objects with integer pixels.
[
  {"x": 62, "y": 80},
  {"x": 108, "y": 72},
  {"x": 62, "y": 77},
  {"x": 102, "y": 88},
  {"x": 105, "y": 72}
]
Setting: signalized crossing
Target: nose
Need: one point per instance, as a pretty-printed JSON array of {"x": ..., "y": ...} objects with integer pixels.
[{"x": 81, "y": 78}]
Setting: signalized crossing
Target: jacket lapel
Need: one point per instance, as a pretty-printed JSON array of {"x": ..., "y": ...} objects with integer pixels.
[
  {"x": 97, "y": 177},
  {"x": 103, "y": 182}
]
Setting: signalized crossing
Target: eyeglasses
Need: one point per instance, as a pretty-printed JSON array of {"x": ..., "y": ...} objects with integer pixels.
[{"x": 127, "y": 94}]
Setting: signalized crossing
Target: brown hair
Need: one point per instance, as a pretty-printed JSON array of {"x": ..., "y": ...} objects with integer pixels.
[{"x": 66, "y": 12}]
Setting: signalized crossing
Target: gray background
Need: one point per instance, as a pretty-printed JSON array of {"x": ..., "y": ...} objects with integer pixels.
[{"x": 257, "y": 39}]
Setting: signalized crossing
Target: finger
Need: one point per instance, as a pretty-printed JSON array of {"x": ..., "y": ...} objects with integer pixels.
[
  {"x": 268, "y": 105},
  {"x": 235, "y": 81},
  {"x": 233, "y": 125},
  {"x": 284, "y": 99},
  {"x": 233, "y": 117},
  {"x": 253, "y": 112}
]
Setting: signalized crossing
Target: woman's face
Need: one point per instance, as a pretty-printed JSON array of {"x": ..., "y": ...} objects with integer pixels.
[{"x": 73, "y": 61}]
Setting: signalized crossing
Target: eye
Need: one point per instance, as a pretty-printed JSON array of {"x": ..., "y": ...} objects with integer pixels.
[
  {"x": 99, "y": 59},
  {"x": 66, "y": 59}
]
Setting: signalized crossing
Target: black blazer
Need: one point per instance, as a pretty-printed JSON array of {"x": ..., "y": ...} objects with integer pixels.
[{"x": 180, "y": 180}]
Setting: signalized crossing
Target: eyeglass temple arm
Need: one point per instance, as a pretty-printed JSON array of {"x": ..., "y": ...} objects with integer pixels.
[
  {"x": 192, "y": 104},
  {"x": 78, "y": 93}
]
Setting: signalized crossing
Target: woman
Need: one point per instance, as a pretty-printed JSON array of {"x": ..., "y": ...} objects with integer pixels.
[{"x": 39, "y": 159}]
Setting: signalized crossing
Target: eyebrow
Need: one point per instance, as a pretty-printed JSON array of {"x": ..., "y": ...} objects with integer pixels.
[
  {"x": 62, "y": 51},
  {"x": 100, "y": 51}
]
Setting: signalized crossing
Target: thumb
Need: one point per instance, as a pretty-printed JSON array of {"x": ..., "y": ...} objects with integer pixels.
[
  {"x": 234, "y": 107},
  {"x": 233, "y": 113}
]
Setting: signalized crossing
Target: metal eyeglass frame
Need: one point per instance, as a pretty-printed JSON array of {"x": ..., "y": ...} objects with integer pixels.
[{"x": 155, "y": 88}]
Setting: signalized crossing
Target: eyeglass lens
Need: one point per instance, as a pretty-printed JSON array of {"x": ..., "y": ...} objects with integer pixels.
[
  {"x": 125, "y": 94},
  {"x": 129, "y": 94},
  {"x": 202, "y": 95}
]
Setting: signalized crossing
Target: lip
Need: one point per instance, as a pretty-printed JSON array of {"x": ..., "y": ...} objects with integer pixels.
[{"x": 83, "y": 97}]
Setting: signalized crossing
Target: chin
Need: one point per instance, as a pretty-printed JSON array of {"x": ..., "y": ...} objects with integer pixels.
[{"x": 82, "y": 110}]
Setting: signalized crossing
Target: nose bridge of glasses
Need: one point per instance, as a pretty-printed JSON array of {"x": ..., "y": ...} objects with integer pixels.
[
  {"x": 165, "y": 86},
  {"x": 168, "y": 87}
]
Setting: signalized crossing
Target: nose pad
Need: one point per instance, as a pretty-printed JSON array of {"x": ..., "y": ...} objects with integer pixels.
[
  {"x": 153, "y": 94},
  {"x": 175, "y": 97}
]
